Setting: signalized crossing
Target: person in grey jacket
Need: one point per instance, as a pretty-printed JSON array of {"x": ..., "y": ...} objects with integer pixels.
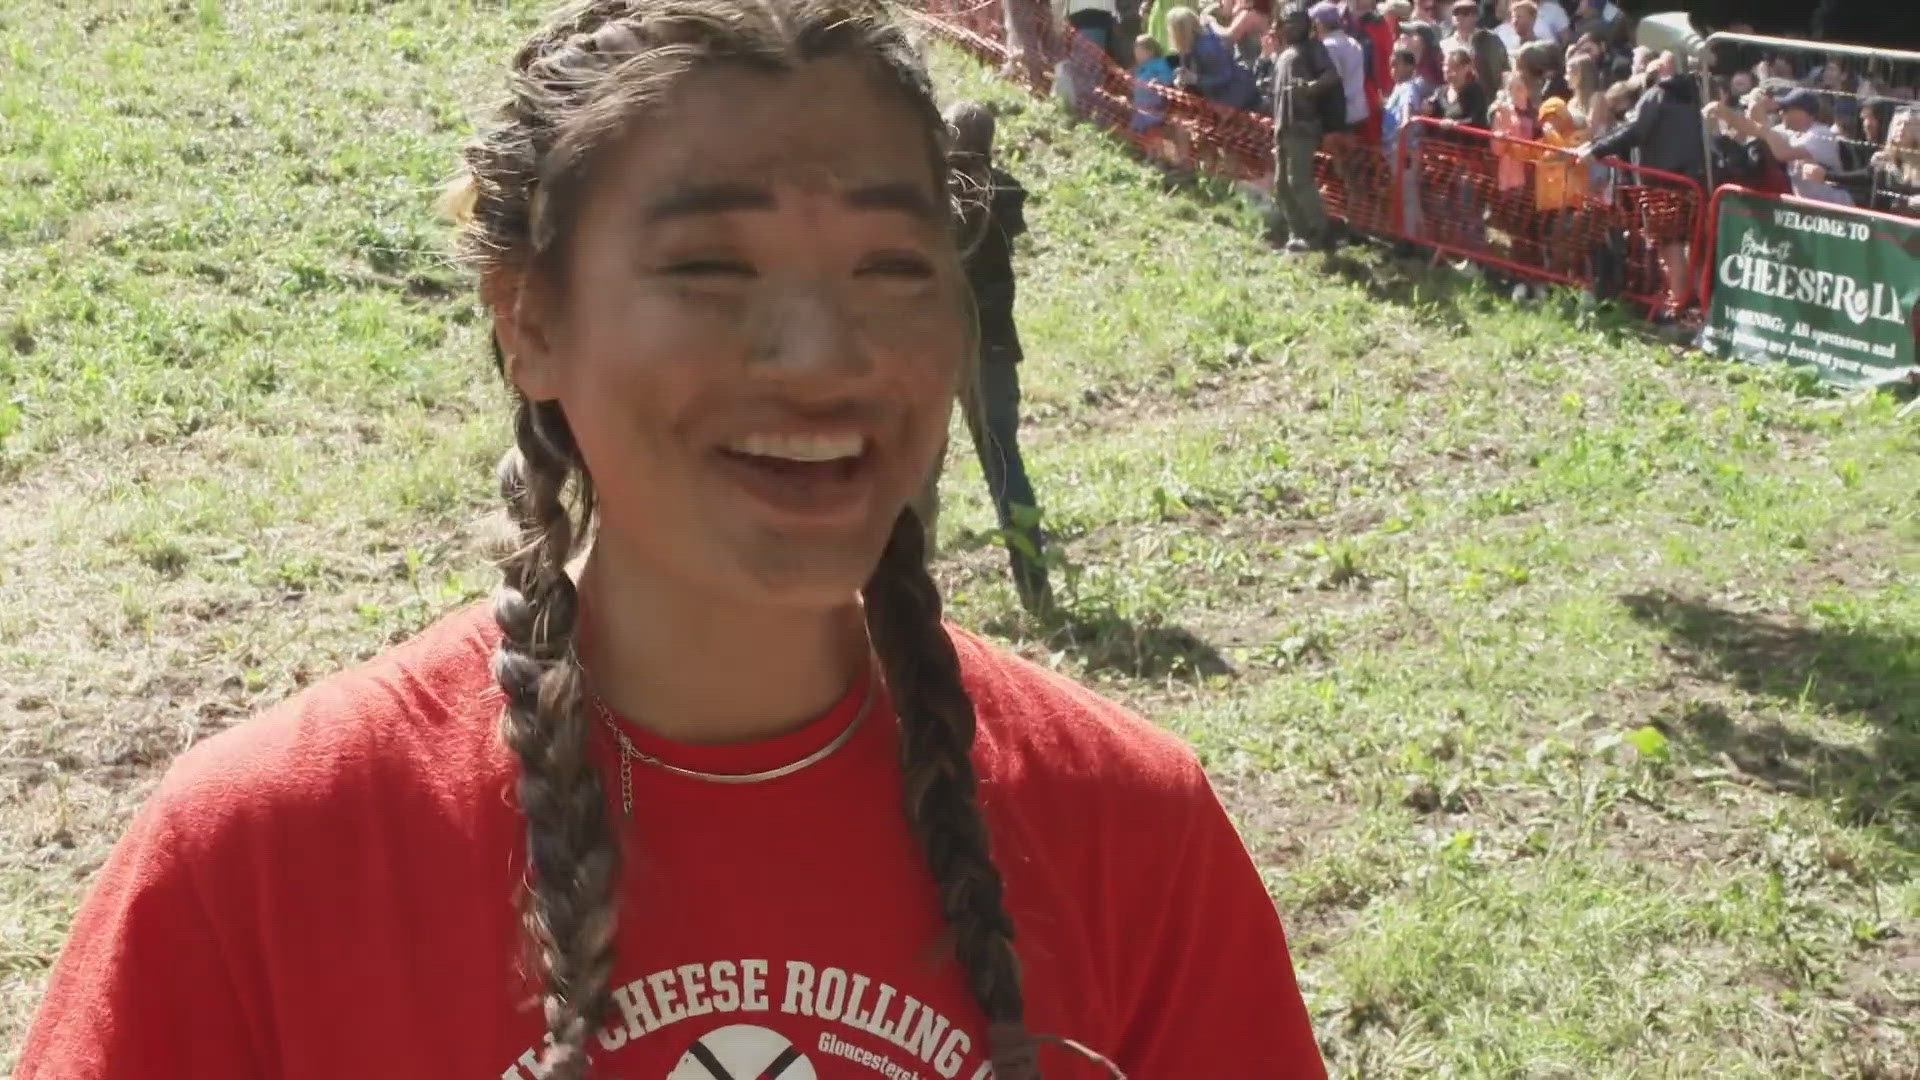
[
  {"x": 1665, "y": 127},
  {"x": 1667, "y": 130}
]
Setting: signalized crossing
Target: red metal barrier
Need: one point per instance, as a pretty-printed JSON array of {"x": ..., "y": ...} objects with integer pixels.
[
  {"x": 1530, "y": 209},
  {"x": 1540, "y": 213},
  {"x": 1164, "y": 122}
]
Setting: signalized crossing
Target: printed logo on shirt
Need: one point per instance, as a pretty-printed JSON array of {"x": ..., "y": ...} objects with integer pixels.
[
  {"x": 742, "y": 1052},
  {"x": 872, "y": 1024}
]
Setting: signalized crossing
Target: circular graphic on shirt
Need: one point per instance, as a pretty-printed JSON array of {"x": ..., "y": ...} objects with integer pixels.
[{"x": 742, "y": 1052}]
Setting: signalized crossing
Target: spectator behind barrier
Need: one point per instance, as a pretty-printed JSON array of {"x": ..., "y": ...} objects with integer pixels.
[
  {"x": 1349, "y": 60},
  {"x": 1552, "y": 19},
  {"x": 1560, "y": 184},
  {"x": 1263, "y": 70},
  {"x": 1096, "y": 20},
  {"x": 1407, "y": 100},
  {"x": 1490, "y": 61},
  {"x": 1800, "y": 141},
  {"x": 1665, "y": 129},
  {"x": 1601, "y": 19},
  {"x": 1540, "y": 63},
  {"x": 1378, "y": 37},
  {"x": 1896, "y": 168},
  {"x": 1585, "y": 96},
  {"x": 1250, "y": 23},
  {"x": 1206, "y": 61},
  {"x": 1466, "y": 19},
  {"x": 1522, "y": 26},
  {"x": 1462, "y": 100},
  {"x": 1837, "y": 86},
  {"x": 1743, "y": 158},
  {"x": 1151, "y": 69},
  {"x": 1424, "y": 42}
]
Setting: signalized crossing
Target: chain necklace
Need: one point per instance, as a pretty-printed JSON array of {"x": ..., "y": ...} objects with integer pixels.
[{"x": 630, "y": 753}]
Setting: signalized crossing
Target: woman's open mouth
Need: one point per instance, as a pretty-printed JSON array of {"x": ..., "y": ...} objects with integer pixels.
[{"x": 817, "y": 477}]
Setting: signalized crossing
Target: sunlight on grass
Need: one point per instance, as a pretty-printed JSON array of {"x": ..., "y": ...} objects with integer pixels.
[{"x": 1567, "y": 689}]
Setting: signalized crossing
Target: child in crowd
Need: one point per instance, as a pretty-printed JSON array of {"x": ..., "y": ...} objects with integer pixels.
[
  {"x": 1151, "y": 69},
  {"x": 1560, "y": 187},
  {"x": 1407, "y": 100}
]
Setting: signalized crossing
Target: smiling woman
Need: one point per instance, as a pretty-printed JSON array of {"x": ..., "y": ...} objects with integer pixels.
[{"x": 718, "y": 246}]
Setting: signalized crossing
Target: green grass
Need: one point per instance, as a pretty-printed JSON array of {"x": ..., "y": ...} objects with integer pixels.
[{"x": 1566, "y": 687}]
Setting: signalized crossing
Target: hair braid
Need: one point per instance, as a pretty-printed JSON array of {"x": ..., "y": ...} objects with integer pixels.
[
  {"x": 574, "y": 88},
  {"x": 569, "y": 906},
  {"x": 937, "y": 728}
]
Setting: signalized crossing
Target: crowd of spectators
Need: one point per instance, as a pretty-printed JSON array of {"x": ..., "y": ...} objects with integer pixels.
[{"x": 1565, "y": 74}]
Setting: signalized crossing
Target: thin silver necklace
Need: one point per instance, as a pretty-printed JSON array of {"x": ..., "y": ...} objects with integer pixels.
[{"x": 630, "y": 753}]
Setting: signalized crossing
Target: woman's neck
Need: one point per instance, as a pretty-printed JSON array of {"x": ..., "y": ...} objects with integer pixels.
[{"x": 696, "y": 666}]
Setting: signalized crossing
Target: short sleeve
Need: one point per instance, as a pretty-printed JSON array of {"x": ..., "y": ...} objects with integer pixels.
[
  {"x": 143, "y": 990},
  {"x": 1212, "y": 992},
  {"x": 1824, "y": 148}
]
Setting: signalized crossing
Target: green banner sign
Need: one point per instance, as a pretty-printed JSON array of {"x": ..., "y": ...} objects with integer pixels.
[{"x": 1803, "y": 283}]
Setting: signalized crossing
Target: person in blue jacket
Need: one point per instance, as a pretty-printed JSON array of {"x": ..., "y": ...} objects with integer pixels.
[{"x": 1207, "y": 64}]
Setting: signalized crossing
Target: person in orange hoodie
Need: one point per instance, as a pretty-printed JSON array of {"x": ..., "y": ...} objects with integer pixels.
[{"x": 1560, "y": 186}]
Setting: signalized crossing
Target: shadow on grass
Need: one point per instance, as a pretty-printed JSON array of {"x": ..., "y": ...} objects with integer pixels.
[
  {"x": 1103, "y": 640},
  {"x": 1460, "y": 300},
  {"x": 1869, "y": 674}
]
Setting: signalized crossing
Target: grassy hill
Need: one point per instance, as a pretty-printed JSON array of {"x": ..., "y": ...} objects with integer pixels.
[{"x": 1568, "y": 689}]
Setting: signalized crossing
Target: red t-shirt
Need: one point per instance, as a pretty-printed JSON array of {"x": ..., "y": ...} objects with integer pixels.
[{"x": 328, "y": 891}]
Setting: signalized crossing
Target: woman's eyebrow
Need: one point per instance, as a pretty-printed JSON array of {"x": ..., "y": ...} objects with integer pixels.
[
  {"x": 709, "y": 199},
  {"x": 908, "y": 198},
  {"x": 725, "y": 198}
]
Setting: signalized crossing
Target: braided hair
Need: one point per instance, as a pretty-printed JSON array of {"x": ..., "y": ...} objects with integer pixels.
[{"x": 576, "y": 84}]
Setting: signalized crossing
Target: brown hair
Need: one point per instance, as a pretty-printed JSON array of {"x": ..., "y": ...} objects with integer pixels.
[
  {"x": 576, "y": 87},
  {"x": 1583, "y": 77}
]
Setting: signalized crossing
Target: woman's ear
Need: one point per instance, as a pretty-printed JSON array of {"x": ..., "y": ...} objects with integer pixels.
[{"x": 521, "y": 324}]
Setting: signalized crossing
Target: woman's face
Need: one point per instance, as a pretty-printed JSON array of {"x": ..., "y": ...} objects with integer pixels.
[
  {"x": 1903, "y": 131},
  {"x": 759, "y": 333},
  {"x": 1517, "y": 90},
  {"x": 1459, "y": 72}
]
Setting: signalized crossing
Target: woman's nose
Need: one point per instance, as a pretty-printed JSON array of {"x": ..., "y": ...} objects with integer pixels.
[{"x": 807, "y": 332}]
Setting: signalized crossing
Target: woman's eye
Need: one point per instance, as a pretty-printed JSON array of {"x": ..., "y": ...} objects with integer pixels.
[{"x": 709, "y": 268}]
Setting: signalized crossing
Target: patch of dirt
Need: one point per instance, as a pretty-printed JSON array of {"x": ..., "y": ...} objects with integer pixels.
[{"x": 1284, "y": 827}]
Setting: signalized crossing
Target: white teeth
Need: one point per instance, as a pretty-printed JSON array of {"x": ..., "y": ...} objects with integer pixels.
[{"x": 799, "y": 447}]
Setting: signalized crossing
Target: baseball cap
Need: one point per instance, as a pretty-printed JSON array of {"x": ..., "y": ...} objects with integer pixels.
[
  {"x": 1800, "y": 98},
  {"x": 1326, "y": 13}
]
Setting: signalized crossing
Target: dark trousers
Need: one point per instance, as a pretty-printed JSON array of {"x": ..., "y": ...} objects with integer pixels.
[
  {"x": 992, "y": 412},
  {"x": 1295, "y": 195}
]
